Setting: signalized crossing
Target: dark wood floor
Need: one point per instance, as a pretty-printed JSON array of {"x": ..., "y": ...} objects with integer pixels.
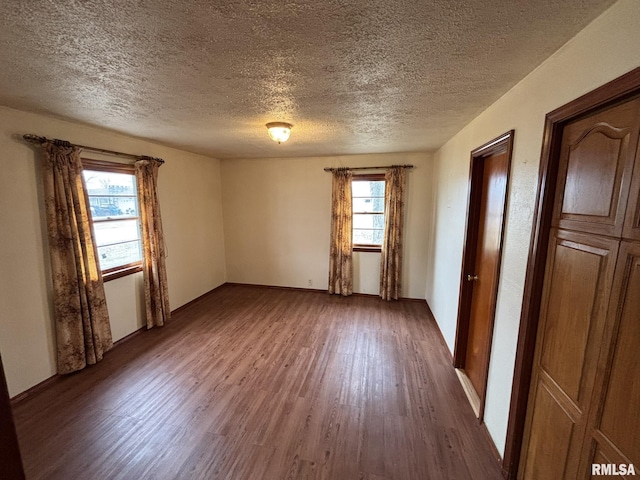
[{"x": 258, "y": 383}]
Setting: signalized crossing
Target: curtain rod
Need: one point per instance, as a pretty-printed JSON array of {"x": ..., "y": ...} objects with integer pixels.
[
  {"x": 35, "y": 139},
  {"x": 331, "y": 169}
]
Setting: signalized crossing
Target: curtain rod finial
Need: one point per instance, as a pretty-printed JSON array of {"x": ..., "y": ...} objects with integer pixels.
[{"x": 29, "y": 137}]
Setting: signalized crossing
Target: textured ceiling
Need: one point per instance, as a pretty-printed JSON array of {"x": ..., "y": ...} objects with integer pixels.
[{"x": 353, "y": 76}]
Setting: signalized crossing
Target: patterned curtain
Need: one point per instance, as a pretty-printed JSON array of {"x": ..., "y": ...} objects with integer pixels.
[
  {"x": 340, "y": 252},
  {"x": 83, "y": 332},
  {"x": 391, "y": 258},
  {"x": 156, "y": 293}
]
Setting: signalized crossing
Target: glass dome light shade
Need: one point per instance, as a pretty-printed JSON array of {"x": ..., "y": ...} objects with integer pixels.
[{"x": 279, "y": 131}]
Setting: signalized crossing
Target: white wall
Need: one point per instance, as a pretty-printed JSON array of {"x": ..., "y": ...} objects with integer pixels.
[
  {"x": 277, "y": 221},
  {"x": 606, "y": 49},
  {"x": 190, "y": 200}
]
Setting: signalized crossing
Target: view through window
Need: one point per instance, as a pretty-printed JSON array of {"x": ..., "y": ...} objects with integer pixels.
[
  {"x": 367, "y": 192},
  {"x": 114, "y": 209}
]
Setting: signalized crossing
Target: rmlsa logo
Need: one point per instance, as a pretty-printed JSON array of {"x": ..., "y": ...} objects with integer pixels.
[{"x": 612, "y": 469}]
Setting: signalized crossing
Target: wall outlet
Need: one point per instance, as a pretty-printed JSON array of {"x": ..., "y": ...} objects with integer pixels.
[{"x": 310, "y": 282}]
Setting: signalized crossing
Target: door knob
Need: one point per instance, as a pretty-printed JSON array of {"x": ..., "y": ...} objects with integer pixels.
[{"x": 472, "y": 278}]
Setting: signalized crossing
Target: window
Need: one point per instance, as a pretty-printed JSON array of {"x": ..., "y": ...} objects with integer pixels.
[
  {"x": 113, "y": 201},
  {"x": 367, "y": 193}
]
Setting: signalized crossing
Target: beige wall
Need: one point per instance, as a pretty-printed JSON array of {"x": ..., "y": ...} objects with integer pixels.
[
  {"x": 277, "y": 221},
  {"x": 603, "y": 51},
  {"x": 190, "y": 199}
]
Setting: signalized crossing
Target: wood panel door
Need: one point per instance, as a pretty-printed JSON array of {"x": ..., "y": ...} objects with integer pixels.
[
  {"x": 580, "y": 270},
  {"x": 490, "y": 167},
  {"x": 596, "y": 164},
  {"x": 584, "y": 395},
  {"x": 613, "y": 430}
]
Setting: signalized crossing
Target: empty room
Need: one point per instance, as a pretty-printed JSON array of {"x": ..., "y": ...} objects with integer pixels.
[{"x": 319, "y": 240}]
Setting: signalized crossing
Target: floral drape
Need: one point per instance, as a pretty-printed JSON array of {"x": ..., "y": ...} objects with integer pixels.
[
  {"x": 340, "y": 252},
  {"x": 391, "y": 257},
  {"x": 83, "y": 332},
  {"x": 156, "y": 293}
]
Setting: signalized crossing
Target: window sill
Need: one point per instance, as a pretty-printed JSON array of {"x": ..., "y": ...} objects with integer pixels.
[
  {"x": 121, "y": 272},
  {"x": 367, "y": 249}
]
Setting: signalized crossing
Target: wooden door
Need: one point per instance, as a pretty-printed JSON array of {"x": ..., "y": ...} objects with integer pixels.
[
  {"x": 613, "y": 431},
  {"x": 579, "y": 407},
  {"x": 596, "y": 163},
  {"x": 481, "y": 265},
  {"x": 579, "y": 272},
  {"x": 484, "y": 277}
]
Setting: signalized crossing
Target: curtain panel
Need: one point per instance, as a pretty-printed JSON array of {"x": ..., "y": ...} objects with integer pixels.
[
  {"x": 83, "y": 332},
  {"x": 391, "y": 257},
  {"x": 340, "y": 251},
  {"x": 156, "y": 292}
]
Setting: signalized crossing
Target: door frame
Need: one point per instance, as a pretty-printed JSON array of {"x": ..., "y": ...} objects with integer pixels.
[
  {"x": 500, "y": 144},
  {"x": 616, "y": 91}
]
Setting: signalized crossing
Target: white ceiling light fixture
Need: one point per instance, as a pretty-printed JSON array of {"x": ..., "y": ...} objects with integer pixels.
[{"x": 279, "y": 131}]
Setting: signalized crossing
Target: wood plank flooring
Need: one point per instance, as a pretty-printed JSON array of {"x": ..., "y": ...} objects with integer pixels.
[{"x": 259, "y": 383}]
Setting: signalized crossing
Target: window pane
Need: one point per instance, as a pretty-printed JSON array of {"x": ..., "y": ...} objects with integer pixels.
[
  {"x": 368, "y": 205},
  {"x": 111, "y": 194},
  {"x": 377, "y": 188},
  {"x": 360, "y": 188},
  {"x": 378, "y": 236},
  {"x": 109, "y": 183},
  {"x": 368, "y": 220},
  {"x": 362, "y": 236},
  {"x": 116, "y": 232},
  {"x": 367, "y": 188},
  {"x": 367, "y": 237},
  {"x": 113, "y": 256},
  {"x": 113, "y": 207}
]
